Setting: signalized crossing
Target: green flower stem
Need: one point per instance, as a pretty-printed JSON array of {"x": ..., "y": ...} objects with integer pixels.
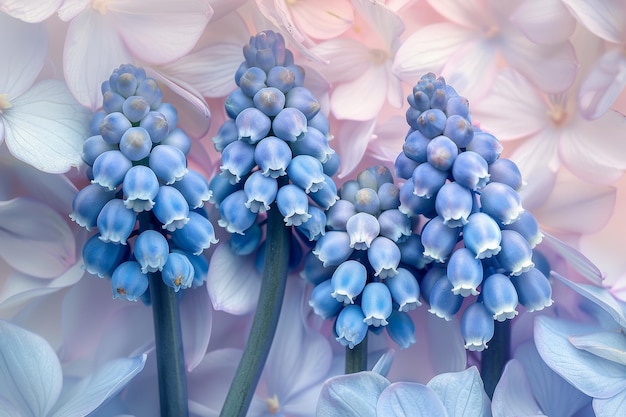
[
  {"x": 356, "y": 359},
  {"x": 496, "y": 356},
  {"x": 169, "y": 348},
  {"x": 265, "y": 319}
]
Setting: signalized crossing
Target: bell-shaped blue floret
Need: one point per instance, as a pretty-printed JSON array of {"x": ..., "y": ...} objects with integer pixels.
[
  {"x": 226, "y": 134},
  {"x": 200, "y": 267},
  {"x": 441, "y": 152},
  {"x": 93, "y": 147},
  {"x": 171, "y": 208},
  {"x": 112, "y": 101},
  {"x": 168, "y": 163},
  {"x": 412, "y": 113},
  {"x": 269, "y": 100},
  {"x": 470, "y": 170},
  {"x": 516, "y": 254},
  {"x": 109, "y": 169},
  {"x": 366, "y": 200},
  {"x": 527, "y": 226},
  {"x": 302, "y": 99},
  {"x": 252, "y": 80},
  {"x": 237, "y": 161},
  {"x": 415, "y": 145},
  {"x": 507, "y": 172},
  {"x": 314, "y": 143},
  {"x": 126, "y": 84},
  {"x": 306, "y": 172},
  {"x": 443, "y": 302},
  {"x": 395, "y": 225},
  {"x": 140, "y": 188},
  {"x": 349, "y": 189},
  {"x": 260, "y": 192},
  {"x": 315, "y": 227},
  {"x": 432, "y": 275},
  {"x": 376, "y": 304},
  {"x": 195, "y": 188},
  {"x": 235, "y": 217},
  {"x": 401, "y": 329},
  {"x": 337, "y": 216},
  {"x": 197, "y": 235},
  {"x": 404, "y": 289},
  {"x": 427, "y": 180},
  {"x": 113, "y": 127},
  {"x": 248, "y": 242},
  {"x": 282, "y": 78},
  {"x": 149, "y": 89},
  {"x": 333, "y": 248},
  {"x": 289, "y": 125},
  {"x": 331, "y": 165},
  {"x": 348, "y": 281},
  {"x": 136, "y": 143},
  {"x": 151, "y": 251},
  {"x": 252, "y": 125},
  {"x": 501, "y": 202},
  {"x": 459, "y": 129},
  {"x": 477, "y": 327},
  {"x": 486, "y": 145},
  {"x": 87, "y": 204},
  {"x": 101, "y": 258},
  {"x": 236, "y": 102},
  {"x": 320, "y": 122},
  {"x": 459, "y": 106},
  {"x": 221, "y": 188},
  {"x": 156, "y": 125},
  {"x": 389, "y": 196},
  {"x": 500, "y": 297},
  {"x": 272, "y": 155},
  {"x": 135, "y": 108},
  {"x": 465, "y": 272},
  {"x": 350, "y": 326},
  {"x": 403, "y": 166},
  {"x": 293, "y": 204},
  {"x": 438, "y": 239},
  {"x": 411, "y": 204},
  {"x": 128, "y": 281},
  {"x": 384, "y": 256},
  {"x": 482, "y": 236},
  {"x": 533, "y": 289},
  {"x": 177, "y": 272},
  {"x": 454, "y": 204},
  {"x": 431, "y": 122},
  {"x": 363, "y": 228},
  {"x": 115, "y": 222},
  {"x": 412, "y": 252},
  {"x": 179, "y": 140},
  {"x": 314, "y": 271},
  {"x": 323, "y": 304}
]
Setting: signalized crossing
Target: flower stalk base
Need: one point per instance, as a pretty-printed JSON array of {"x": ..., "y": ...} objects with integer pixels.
[
  {"x": 356, "y": 359},
  {"x": 496, "y": 356}
]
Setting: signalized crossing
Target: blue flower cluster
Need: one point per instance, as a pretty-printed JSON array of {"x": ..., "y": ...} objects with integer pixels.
[
  {"x": 478, "y": 239},
  {"x": 141, "y": 189},
  {"x": 364, "y": 268},
  {"x": 274, "y": 148}
]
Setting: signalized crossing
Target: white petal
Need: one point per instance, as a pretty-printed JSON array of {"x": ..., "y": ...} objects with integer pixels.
[
  {"x": 463, "y": 12},
  {"x": 353, "y": 395},
  {"x": 350, "y": 142},
  {"x": 605, "y": 18},
  {"x": 46, "y": 127},
  {"x": 35, "y": 239},
  {"x": 382, "y": 19},
  {"x": 71, "y": 8},
  {"x": 436, "y": 43},
  {"x": 233, "y": 281},
  {"x": 104, "y": 383},
  {"x": 388, "y": 140},
  {"x": 471, "y": 69},
  {"x": 92, "y": 51},
  {"x": 163, "y": 32},
  {"x": 222, "y": 8},
  {"x": 352, "y": 101},
  {"x": 409, "y": 399},
  {"x": 23, "y": 47},
  {"x": 347, "y": 59},
  {"x": 31, "y": 375},
  {"x": 197, "y": 314},
  {"x": 573, "y": 257},
  {"x": 208, "y": 384},
  {"x": 31, "y": 12},
  {"x": 322, "y": 19},
  {"x": 544, "y": 21},
  {"x": 460, "y": 392},
  {"x": 604, "y": 83},
  {"x": 513, "y": 396}
]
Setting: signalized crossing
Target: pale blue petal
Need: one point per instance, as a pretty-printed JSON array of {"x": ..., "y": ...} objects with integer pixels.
[
  {"x": 46, "y": 127},
  {"x": 446, "y": 344},
  {"x": 34, "y": 239},
  {"x": 461, "y": 392},
  {"x": 574, "y": 258},
  {"x": 607, "y": 345},
  {"x": 556, "y": 396},
  {"x": 30, "y": 372},
  {"x": 409, "y": 399},
  {"x": 513, "y": 396},
  {"x": 595, "y": 376},
  {"x": 610, "y": 407},
  {"x": 353, "y": 395},
  {"x": 233, "y": 282},
  {"x": 197, "y": 321}
]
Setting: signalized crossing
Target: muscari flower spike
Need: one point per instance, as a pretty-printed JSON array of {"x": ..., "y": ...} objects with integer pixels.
[
  {"x": 478, "y": 240},
  {"x": 274, "y": 149},
  {"x": 142, "y": 194},
  {"x": 364, "y": 276}
]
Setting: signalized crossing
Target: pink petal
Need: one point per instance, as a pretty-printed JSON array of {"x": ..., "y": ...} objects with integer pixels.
[
  {"x": 594, "y": 150},
  {"x": 513, "y": 109},
  {"x": 395, "y": 94},
  {"x": 92, "y": 50},
  {"x": 544, "y": 21},
  {"x": 24, "y": 47},
  {"x": 463, "y": 12},
  {"x": 436, "y": 43},
  {"x": 605, "y": 18},
  {"x": 472, "y": 68},
  {"x": 71, "y": 8},
  {"x": 388, "y": 140},
  {"x": 347, "y": 59},
  {"x": 197, "y": 321},
  {"x": 163, "y": 32},
  {"x": 322, "y": 19},
  {"x": 355, "y": 101},
  {"x": 350, "y": 142},
  {"x": 384, "y": 21},
  {"x": 222, "y": 8},
  {"x": 31, "y": 12},
  {"x": 604, "y": 83}
]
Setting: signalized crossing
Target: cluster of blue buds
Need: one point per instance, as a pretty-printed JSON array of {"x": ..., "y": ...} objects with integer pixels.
[
  {"x": 478, "y": 239},
  {"x": 365, "y": 268},
  {"x": 274, "y": 148},
  {"x": 141, "y": 192}
]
